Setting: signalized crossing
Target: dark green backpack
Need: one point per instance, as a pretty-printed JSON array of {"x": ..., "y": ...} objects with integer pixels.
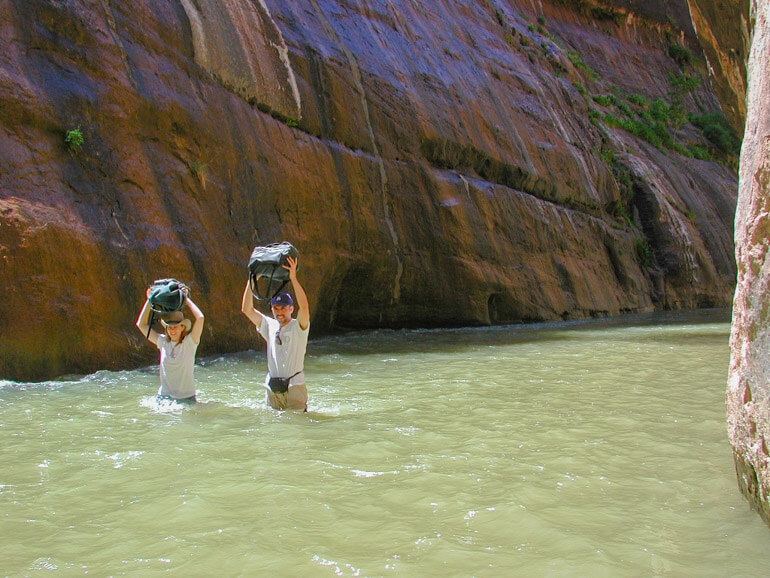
[
  {"x": 268, "y": 262},
  {"x": 167, "y": 295}
]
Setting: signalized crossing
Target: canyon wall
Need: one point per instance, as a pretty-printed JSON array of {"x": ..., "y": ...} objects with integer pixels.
[
  {"x": 724, "y": 31},
  {"x": 438, "y": 164},
  {"x": 748, "y": 391}
]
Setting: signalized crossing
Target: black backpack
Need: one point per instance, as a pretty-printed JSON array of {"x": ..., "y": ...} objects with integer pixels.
[{"x": 268, "y": 262}]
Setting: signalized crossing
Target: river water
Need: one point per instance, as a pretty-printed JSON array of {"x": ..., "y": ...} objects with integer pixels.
[{"x": 572, "y": 449}]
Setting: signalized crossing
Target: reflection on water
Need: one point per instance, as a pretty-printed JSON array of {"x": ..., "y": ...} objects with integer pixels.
[{"x": 594, "y": 448}]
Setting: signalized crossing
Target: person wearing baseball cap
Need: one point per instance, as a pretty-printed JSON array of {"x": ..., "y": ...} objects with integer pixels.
[
  {"x": 286, "y": 339},
  {"x": 178, "y": 345}
]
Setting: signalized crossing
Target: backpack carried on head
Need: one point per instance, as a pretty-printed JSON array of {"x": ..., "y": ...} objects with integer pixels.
[
  {"x": 167, "y": 296},
  {"x": 268, "y": 262}
]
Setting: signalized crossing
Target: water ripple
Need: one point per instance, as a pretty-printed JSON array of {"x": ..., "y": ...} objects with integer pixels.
[{"x": 556, "y": 449}]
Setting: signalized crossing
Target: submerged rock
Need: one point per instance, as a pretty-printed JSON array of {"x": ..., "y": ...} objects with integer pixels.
[{"x": 458, "y": 164}]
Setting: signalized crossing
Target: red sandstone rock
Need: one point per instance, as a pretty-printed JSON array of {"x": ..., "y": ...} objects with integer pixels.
[
  {"x": 433, "y": 166},
  {"x": 724, "y": 31}
]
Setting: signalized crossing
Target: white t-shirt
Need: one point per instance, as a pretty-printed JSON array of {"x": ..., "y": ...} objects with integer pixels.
[
  {"x": 286, "y": 358},
  {"x": 177, "y": 364}
]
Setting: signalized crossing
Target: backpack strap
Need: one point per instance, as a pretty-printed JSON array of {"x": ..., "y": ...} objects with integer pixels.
[
  {"x": 266, "y": 297},
  {"x": 152, "y": 318}
]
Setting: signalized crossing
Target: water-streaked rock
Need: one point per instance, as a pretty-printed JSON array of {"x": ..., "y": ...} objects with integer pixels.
[{"x": 439, "y": 165}]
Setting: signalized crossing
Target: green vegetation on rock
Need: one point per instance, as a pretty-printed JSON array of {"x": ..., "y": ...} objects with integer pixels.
[
  {"x": 74, "y": 138},
  {"x": 718, "y": 131},
  {"x": 681, "y": 54}
]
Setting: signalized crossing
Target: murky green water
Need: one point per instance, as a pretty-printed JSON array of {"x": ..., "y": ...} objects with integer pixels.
[{"x": 572, "y": 449}]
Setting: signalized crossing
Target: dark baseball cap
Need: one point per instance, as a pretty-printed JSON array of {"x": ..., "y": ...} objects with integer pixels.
[{"x": 282, "y": 299}]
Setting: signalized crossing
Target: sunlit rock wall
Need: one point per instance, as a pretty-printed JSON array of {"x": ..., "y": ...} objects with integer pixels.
[
  {"x": 748, "y": 392},
  {"x": 438, "y": 163},
  {"x": 723, "y": 30}
]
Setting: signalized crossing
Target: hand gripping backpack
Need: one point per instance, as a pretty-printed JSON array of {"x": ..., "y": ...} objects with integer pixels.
[
  {"x": 268, "y": 262},
  {"x": 167, "y": 296}
]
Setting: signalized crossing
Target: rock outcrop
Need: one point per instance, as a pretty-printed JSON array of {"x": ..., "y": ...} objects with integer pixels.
[
  {"x": 458, "y": 163},
  {"x": 726, "y": 48},
  {"x": 748, "y": 391}
]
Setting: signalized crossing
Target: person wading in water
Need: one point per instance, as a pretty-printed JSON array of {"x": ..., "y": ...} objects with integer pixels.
[
  {"x": 286, "y": 340},
  {"x": 177, "y": 345}
]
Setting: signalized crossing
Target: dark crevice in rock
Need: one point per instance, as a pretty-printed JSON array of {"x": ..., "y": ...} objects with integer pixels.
[
  {"x": 502, "y": 308},
  {"x": 750, "y": 486},
  {"x": 362, "y": 293},
  {"x": 446, "y": 154},
  {"x": 647, "y": 212}
]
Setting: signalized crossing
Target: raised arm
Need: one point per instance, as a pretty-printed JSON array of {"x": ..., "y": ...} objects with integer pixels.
[
  {"x": 197, "y": 328},
  {"x": 303, "y": 315},
  {"x": 247, "y": 306},
  {"x": 143, "y": 322}
]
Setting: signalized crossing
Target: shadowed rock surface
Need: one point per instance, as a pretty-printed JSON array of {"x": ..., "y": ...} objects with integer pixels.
[{"x": 467, "y": 163}]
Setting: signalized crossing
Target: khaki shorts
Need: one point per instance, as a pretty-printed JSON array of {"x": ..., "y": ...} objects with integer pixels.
[{"x": 294, "y": 398}]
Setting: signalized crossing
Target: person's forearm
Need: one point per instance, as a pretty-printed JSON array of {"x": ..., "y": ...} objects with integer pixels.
[
  {"x": 247, "y": 303},
  {"x": 143, "y": 321},
  {"x": 303, "y": 315},
  {"x": 301, "y": 296},
  {"x": 197, "y": 328},
  {"x": 194, "y": 309},
  {"x": 247, "y": 306}
]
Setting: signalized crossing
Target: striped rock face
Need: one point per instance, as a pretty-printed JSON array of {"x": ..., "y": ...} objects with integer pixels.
[{"x": 436, "y": 164}]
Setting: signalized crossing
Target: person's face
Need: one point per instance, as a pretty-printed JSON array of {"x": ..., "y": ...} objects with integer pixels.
[
  {"x": 282, "y": 313},
  {"x": 174, "y": 332}
]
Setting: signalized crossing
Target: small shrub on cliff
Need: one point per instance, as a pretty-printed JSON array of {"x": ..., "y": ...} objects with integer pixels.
[
  {"x": 608, "y": 156},
  {"x": 74, "y": 138},
  {"x": 618, "y": 210},
  {"x": 718, "y": 131},
  {"x": 595, "y": 10},
  {"x": 660, "y": 110},
  {"x": 578, "y": 63},
  {"x": 700, "y": 153},
  {"x": 624, "y": 108},
  {"x": 608, "y": 100},
  {"x": 655, "y": 133},
  {"x": 681, "y": 54},
  {"x": 643, "y": 251},
  {"x": 639, "y": 100},
  {"x": 683, "y": 84},
  {"x": 524, "y": 41},
  {"x": 605, "y": 13},
  {"x": 279, "y": 116}
]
